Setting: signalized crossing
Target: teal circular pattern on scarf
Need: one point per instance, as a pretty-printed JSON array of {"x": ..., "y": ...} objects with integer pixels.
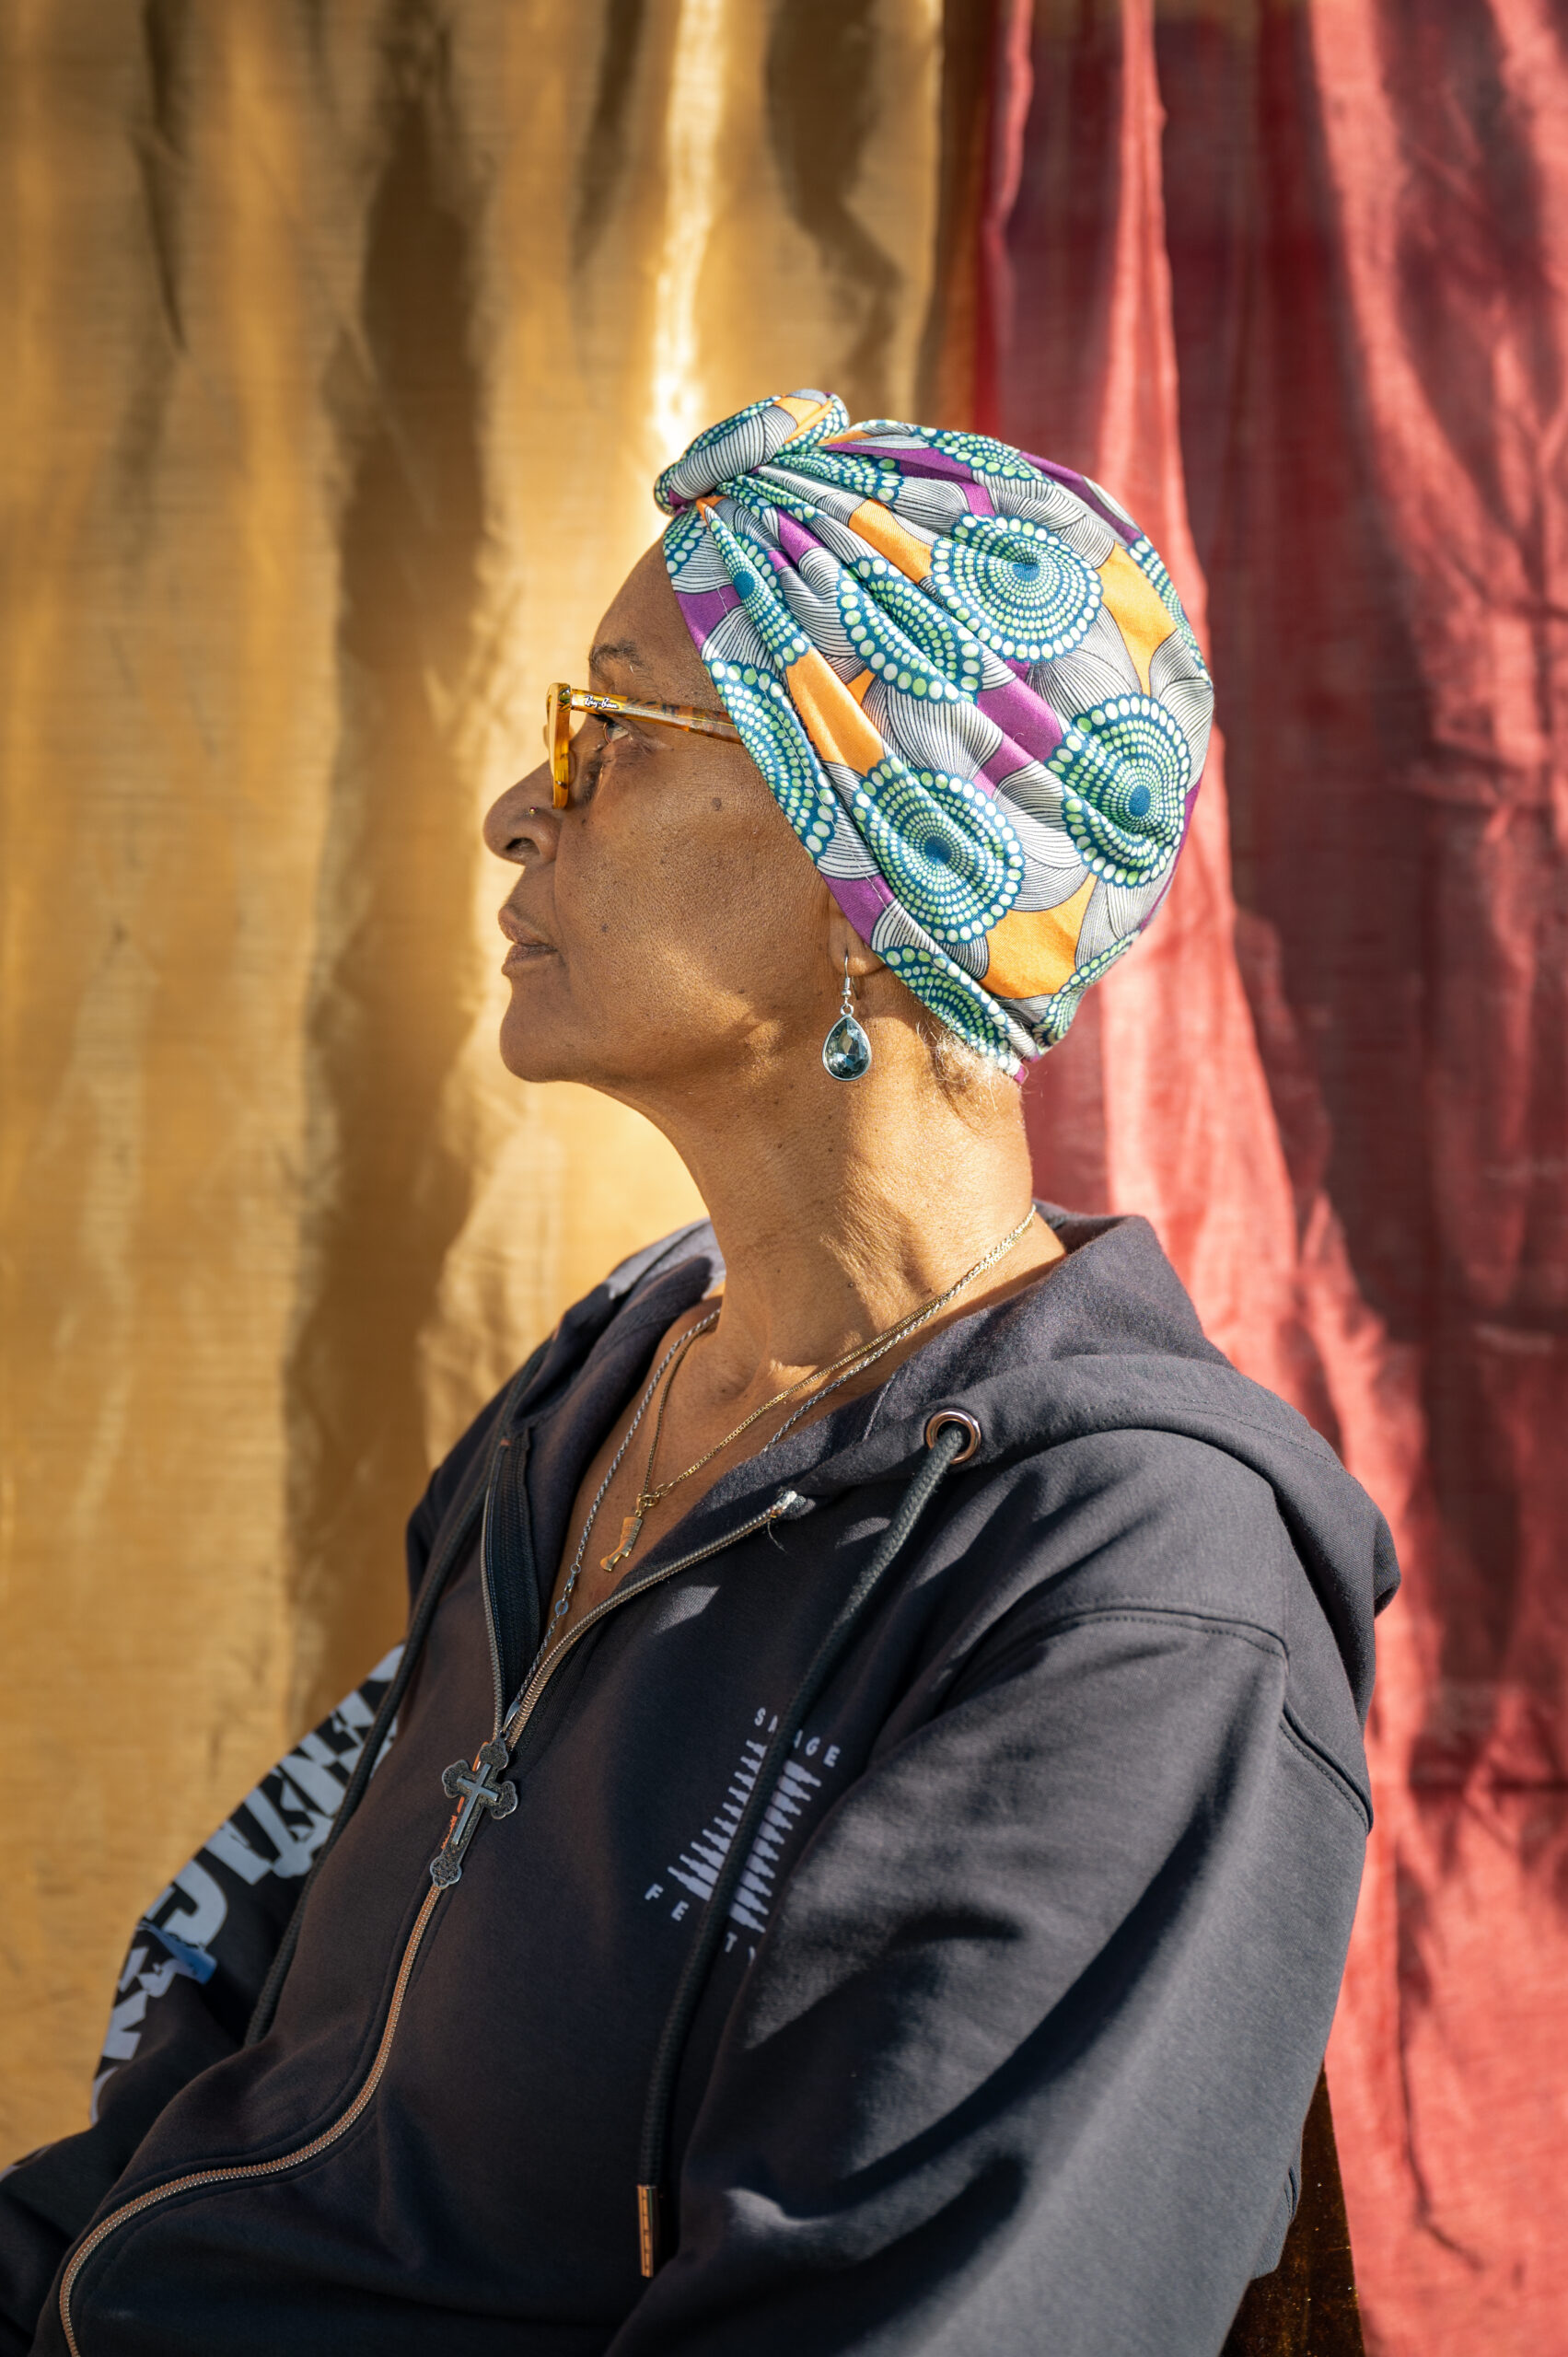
[
  {"x": 1023, "y": 592},
  {"x": 902, "y": 634},
  {"x": 873, "y": 478},
  {"x": 949, "y": 855},
  {"x": 777, "y": 743},
  {"x": 986, "y": 455},
  {"x": 952, "y": 998},
  {"x": 1125, "y": 769},
  {"x": 1064, "y": 1005}
]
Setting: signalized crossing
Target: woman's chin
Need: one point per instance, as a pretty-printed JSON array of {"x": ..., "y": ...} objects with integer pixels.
[
  {"x": 531, "y": 1045},
  {"x": 535, "y": 1045}
]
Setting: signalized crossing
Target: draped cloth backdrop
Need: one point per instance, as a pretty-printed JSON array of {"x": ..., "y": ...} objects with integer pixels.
[{"x": 342, "y": 346}]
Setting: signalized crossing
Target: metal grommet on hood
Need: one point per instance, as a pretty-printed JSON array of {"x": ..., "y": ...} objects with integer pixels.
[{"x": 966, "y": 1423}]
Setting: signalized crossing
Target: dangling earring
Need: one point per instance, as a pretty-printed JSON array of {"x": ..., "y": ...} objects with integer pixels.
[{"x": 846, "y": 1051}]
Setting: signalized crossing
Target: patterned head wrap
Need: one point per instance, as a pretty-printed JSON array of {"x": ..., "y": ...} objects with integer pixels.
[{"x": 969, "y": 684}]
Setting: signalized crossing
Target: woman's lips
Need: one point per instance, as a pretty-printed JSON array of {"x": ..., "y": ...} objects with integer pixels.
[{"x": 526, "y": 952}]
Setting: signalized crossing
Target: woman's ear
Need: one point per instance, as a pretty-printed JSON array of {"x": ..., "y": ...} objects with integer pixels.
[{"x": 842, "y": 941}]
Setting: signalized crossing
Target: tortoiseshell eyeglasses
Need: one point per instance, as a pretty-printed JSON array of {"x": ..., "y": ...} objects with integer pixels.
[{"x": 560, "y": 702}]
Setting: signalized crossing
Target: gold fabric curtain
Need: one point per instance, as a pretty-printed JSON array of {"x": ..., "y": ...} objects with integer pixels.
[{"x": 342, "y": 346}]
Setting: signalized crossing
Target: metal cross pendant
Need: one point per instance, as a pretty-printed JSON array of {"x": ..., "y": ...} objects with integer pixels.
[{"x": 476, "y": 1790}]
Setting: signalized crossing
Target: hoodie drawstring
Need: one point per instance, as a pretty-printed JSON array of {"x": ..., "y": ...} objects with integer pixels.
[{"x": 948, "y": 1437}]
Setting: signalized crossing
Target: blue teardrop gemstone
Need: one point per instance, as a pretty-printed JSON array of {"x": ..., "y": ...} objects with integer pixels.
[{"x": 846, "y": 1051}]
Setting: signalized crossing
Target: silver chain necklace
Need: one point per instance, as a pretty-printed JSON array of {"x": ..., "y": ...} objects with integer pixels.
[{"x": 862, "y": 1359}]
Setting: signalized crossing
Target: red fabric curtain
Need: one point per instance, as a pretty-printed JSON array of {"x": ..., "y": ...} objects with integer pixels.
[{"x": 1290, "y": 280}]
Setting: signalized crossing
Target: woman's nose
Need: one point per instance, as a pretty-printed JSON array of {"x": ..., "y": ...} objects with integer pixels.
[{"x": 523, "y": 823}]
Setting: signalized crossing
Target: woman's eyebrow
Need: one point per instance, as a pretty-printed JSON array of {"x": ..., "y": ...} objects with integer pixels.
[{"x": 615, "y": 650}]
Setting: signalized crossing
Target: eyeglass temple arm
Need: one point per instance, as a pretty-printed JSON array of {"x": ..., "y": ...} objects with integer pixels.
[{"x": 679, "y": 716}]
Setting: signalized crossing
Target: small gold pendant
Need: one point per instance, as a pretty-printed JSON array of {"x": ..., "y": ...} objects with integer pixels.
[{"x": 629, "y": 1531}]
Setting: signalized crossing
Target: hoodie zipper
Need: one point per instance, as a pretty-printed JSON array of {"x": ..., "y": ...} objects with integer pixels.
[
  {"x": 786, "y": 1507},
  {"x": 485, "y": 1584},
  {"x": 787, "y": 1504}
]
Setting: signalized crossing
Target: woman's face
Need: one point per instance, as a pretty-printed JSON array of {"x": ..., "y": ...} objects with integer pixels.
[{"x": 667, "y": 924}]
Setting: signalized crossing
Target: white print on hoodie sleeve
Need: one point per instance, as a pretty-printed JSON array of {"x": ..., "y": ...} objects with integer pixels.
[{"x": 276, "y": 1830}]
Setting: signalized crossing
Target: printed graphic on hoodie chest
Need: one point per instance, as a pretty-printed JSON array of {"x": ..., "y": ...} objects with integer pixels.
[{"x": 686, "y": 1881}]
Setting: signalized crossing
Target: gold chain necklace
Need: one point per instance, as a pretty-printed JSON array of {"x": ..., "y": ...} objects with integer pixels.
[{"x": 841, "y": 1370}]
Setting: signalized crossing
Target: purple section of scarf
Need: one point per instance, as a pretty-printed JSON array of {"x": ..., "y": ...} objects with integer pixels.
[
  {"x": 794, "y": 539},
  {"x": 910, "y": 462},
  {"x": 1025, "y": 717},
  {"x": 704, "y": 610},
  {"x": 862, "y": 898}
]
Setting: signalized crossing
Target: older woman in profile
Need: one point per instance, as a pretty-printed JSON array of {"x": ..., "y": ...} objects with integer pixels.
[{"x": 866, "y": 1820}]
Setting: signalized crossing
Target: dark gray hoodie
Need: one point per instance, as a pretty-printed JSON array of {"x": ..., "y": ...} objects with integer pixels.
[{"x": 1013, "y": 2013}]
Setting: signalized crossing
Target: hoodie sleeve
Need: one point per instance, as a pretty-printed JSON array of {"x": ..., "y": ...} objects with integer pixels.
[
  {"x": 192, "y": 1972},
  {"x": 1024, "y": 2059}
]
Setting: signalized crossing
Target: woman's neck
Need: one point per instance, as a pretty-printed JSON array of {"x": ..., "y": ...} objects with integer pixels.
[{"x": 838, "y": 1209}]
